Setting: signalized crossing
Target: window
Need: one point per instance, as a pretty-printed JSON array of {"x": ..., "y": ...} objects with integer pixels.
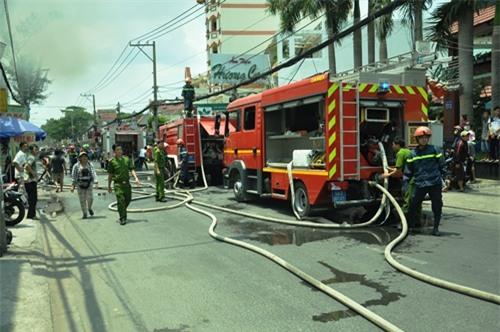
[
  {"x": 377, "y": 114},
  {"x": 213, "y": 24},
  {"x": 249, "y": 123},
  {"x": 215, "y": 49},
  {"x": 234, "y": 119}
]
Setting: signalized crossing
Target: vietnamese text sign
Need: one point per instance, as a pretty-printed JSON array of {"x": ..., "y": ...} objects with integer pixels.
[{"x": 233, "y": 69}]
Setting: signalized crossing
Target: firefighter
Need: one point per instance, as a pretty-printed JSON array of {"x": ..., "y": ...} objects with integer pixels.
[
  {"x": 188, "y": 95},
  {"x": 159, "y": 158},
  {"x": 408, "y": 187},
  {"x": 184, "y": 163},
  {"x": 425, "y": 168},
  {"x": 118, "y": 172}
]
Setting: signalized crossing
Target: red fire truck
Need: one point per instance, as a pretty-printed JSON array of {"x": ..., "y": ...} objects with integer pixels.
[
  {"x": 329, "y": 131},
  {"x": 191, "y": 130}
]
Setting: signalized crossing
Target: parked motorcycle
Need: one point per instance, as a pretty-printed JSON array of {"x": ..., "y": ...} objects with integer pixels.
[{"x": 14, "y": 205}]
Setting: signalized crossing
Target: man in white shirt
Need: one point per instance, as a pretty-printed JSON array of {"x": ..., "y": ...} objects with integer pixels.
[
  {"x": 19, "y": 161},
  {"x": 142, "y": 158}
]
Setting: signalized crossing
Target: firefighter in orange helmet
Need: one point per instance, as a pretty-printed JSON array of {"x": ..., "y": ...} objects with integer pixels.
[{"x": 425, "y": 168}]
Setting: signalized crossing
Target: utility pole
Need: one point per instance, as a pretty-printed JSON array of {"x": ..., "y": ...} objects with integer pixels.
[
  {"x": 118, "y": 106},
  {"x": 155, "y": 86},
  {"x": 93, "y": 105}
]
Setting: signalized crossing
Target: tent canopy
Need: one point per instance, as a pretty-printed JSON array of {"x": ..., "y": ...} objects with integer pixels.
[{"x": 12, "y": 127}]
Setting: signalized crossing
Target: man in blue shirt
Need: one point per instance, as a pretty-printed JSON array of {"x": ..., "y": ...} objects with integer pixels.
[{"x": 425, "y": 167}]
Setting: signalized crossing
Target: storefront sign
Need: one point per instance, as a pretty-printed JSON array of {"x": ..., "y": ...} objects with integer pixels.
[
  {"x": 210, "y": 109},
  {"x": 233, "y": 69}
]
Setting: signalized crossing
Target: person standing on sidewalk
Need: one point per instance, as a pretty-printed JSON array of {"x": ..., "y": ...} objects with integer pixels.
[
  {"x": 160, "y": 162},
  {"x": 425, "y": 168},
  {"x": 83, "y": 175},
  {"x": 118, "y": 172},
  {"x": 18, "y": 163},
  {"x": 30, "y": 180},
  {"x": 58, "y": 165},
  {"x": 460, "y": 159}
]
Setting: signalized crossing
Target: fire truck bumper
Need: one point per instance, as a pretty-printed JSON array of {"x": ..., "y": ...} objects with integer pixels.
[{"x": 357, "y": 202}]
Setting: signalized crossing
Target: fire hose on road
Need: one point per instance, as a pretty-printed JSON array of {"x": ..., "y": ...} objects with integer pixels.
[{"x": 186, "y": 198}]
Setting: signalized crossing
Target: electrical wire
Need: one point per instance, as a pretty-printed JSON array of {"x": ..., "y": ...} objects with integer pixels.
[
  {"x": 9, "y": 87},
  {"x": 164, "y": 25}
]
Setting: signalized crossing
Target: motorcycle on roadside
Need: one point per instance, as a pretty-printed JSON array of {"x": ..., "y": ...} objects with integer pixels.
[{"x": 14, "y": 204}]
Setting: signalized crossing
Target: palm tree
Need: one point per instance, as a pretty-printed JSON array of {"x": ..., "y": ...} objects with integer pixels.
[
  {"x": 412, "y": 16},
  {"x": 356, "y": 38},
  {"x": 291, "y": 12},
  {"x": 495, "y": 60},
  {"x": 442, "y": 21},
  {"x": 371, "y": 34},
  {"x": 383, "y": 28}
]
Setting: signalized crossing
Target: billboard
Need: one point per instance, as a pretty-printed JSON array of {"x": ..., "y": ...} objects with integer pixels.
[{"x": 233, "y": 69}]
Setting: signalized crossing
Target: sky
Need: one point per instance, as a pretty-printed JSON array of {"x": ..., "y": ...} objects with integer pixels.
[{"x": 79, "y": 40}]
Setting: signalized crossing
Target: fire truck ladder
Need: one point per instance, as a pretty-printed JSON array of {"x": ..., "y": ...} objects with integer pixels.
[
  {"x": 349, "y": 153},
  {"x": 190, "y": 128}
]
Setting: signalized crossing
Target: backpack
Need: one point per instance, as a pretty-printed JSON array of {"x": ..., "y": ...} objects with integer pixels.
[{"x": 84, "y": 178}]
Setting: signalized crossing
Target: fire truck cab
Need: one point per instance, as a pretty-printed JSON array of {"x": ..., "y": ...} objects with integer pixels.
[{"x": 328, "y": 131}]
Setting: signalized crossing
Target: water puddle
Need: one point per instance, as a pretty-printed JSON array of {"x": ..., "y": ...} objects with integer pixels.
[
  {"x": 275, "y": 235},
  {"x": 339, "y": 276}
]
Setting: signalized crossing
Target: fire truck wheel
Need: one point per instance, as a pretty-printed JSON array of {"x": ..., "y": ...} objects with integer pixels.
[
  {"x": 301, "y": 204},
  {"x": 239, "y": 189}
]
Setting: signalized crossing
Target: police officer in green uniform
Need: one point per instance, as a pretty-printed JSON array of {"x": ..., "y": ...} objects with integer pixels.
[
  {"x": 118, "y": 172},
  {"x": 160, "y": 162},
  {"x": 408, "y": 186}
]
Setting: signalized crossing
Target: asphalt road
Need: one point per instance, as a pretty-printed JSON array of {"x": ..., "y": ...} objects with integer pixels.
[{"x": 163, "y": 272}]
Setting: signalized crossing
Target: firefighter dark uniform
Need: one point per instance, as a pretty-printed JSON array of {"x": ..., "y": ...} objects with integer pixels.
[
  {"x": 425, "y": 167},
  {"x": 159, "y": 157},
  {"x": 188, "y": 94},
  {"x": 119, "y": 169},
  {"x": 184, "y": 159}
]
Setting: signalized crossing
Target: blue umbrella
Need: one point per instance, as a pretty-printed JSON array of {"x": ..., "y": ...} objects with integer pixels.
[{"x": 11, "y": 127}]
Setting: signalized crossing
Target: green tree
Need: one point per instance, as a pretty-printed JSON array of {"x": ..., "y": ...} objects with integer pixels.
[
  {"x": 357, "y": 38},
  {"x": 371, "y": 34},
  {"x": 30, "y": 83},
  {"x": 383, "y": 28},
  {"x": 72, "y": 125},
  {"x": 291, "y": 12},
  {"x": 440, "y": 31},
  {"x": 412, "y": 17}
]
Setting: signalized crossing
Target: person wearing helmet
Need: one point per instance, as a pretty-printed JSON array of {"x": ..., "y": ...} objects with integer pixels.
[
  {"x": 460, "y": 158},
  {"x": 160, "y": 162},
  {"x": 425, "y": 168},
  {"x": 188, "y": 94},
  {"x": 184, "y": 163}
]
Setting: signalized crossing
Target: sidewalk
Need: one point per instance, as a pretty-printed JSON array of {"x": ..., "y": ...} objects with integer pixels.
[
  {"x": 483, "y": 196},
  {"x": 25, "y": 298}
]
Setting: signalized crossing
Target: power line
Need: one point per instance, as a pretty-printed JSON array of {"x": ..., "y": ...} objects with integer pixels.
[
  {"x": 164, "y": 25},
  {"x": 119, "y": 70},
  {"x": 4, "y": 75},
  {"x": 110, "y": 69},
  {"x": 383, "y": 11},
  {"x": 173, "y": 27},
  {"x": 11, "y": 44}
]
